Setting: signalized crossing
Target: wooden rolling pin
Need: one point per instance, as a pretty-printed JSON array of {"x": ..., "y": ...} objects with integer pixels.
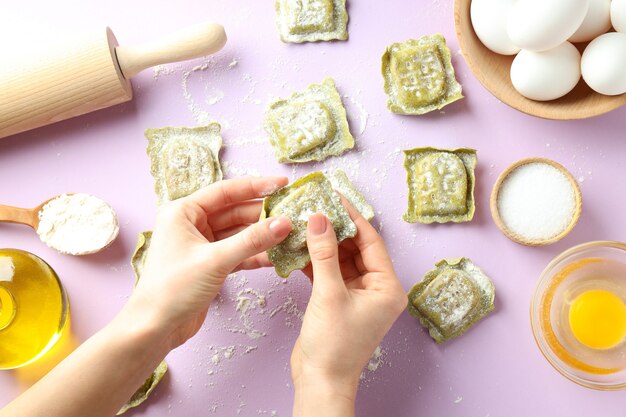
[{"x": 92, "y": 74}]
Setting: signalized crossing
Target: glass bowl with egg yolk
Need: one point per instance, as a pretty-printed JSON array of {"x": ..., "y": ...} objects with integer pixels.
[{"x": 578, "y": 314}]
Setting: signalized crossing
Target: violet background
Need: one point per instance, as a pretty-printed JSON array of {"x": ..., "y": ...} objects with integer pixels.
[{"x": 493, "y": 370}]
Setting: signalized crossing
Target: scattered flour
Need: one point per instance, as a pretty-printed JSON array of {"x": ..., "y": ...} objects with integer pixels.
[
  {"x": 293, "y": 313},
  {"x": 247, "y": 300},
  {"x": 251, "y": 138},
  {"x": 200, "y": 116},
  {"x": 229, "y": 352},
  {"x": 375, "y": 360},
  {"x": 272, "y": 413},
  {"x": 160, "y": 70},
  {"x": 362, "y": 116},
  {"x": 215, "y": 97},
  {"x": 231, "y": 170}
]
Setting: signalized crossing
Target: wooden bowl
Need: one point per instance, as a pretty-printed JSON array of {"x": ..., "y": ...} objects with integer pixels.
[
  {"x": 493, "y": 72},
  {"x": 495, "y": 214}
]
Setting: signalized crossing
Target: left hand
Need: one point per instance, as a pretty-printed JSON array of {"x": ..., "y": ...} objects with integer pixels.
[{"x": 198, "y": 240}]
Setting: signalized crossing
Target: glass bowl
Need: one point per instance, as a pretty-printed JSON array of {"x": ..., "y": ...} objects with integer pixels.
[
  {"x": 593, "y": 265},
  {"x": 34, "y": 308}
]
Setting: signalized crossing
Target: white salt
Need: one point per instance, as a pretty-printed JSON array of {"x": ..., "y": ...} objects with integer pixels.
[{"x": 536, "y": 201}]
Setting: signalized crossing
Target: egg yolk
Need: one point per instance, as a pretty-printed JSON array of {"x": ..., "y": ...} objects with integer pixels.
[{"x": 598, "y": 319}]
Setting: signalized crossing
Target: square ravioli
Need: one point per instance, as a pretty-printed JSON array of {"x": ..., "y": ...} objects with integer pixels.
[
  {"x": 441, "y": 185},
  {"x": 311, "y": 20},
  {"x": 311, "y": 125},
  {"x": 183, "y": 159},
  {"x": 138, "y": 259},
  {"x": 306, "y": 196},
  {"x": 451, "y": 298},
  {"x": 419, "y": 76},
  {"x": 137, "y": 262}
]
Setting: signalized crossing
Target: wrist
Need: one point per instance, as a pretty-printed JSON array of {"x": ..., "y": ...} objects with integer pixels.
[
  {"x": 320, "y": 394},
  {"x": 142, "y": 327}
]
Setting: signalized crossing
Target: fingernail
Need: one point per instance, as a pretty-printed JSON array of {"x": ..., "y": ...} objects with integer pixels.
[
  {"x": 280, "y": 227},
  {"x": 317, "y": 224}
]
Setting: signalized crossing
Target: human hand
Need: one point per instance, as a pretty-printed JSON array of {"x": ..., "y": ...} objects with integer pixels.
[
  {"x": 356, "y": 298},
  {"x": 198, "y": 240}
]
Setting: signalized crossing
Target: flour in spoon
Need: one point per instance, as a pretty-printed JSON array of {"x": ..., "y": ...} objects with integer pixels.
[{"x": 77, "y": 224}]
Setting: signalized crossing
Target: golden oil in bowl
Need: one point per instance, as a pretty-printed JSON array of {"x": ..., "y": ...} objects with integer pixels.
[
  {"x": 34, "y": 309},
  {"x": 578, "y": 314}
]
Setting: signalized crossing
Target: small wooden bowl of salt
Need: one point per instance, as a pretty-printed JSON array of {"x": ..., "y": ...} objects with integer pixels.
[{"x": 536, "y": 202}]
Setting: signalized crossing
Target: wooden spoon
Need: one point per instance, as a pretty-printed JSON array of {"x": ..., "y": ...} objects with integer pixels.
[
  {"x": 58, "y": 236},
  {"x": 493, "y": 72},
  {"x": 29, "y": 217}
]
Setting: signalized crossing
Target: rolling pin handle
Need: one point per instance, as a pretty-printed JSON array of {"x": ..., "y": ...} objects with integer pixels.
[{"x": 189, "y": 43}]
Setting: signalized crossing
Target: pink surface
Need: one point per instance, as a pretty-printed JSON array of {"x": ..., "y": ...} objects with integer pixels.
[{"x": 493, "y": 370}]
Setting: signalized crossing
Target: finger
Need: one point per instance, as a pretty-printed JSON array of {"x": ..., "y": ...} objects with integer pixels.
[
  {"x": 367, "y": 240},
  {"x": 349, "y": 270},
  {"x": 258, "y": 261},
  {"x": 246, "y": 212},
  {"x": 347, "y": 266},
  {"x": 347, "y": 248},
  {"x": 232, "y": 231},
  {"x": 222, "y": 193},
  {"x": 322, "y": 244},
  {"x": 251, "y": 241}
]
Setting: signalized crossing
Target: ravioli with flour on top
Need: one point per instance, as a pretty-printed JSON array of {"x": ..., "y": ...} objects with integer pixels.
[
  {"x": 311, "y": 20},
  {"x": 441, "y": 185},
  {"x": 137, "y": 262},
  {"x": 306, "y": 196},
  {"x": 311, "y": 125},
  {"x": 340, "y": 182},
  {"x": 419, "y": 76},
  {"x": 451, "y": 298},
  {"x": 146, "y": 389},
  {"x": 183, "y": 159}
]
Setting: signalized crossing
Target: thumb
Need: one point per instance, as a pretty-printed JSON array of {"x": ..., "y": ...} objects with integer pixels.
[
  {"x": 324, "y": 252},
  {"x": 251, "y": 241}
]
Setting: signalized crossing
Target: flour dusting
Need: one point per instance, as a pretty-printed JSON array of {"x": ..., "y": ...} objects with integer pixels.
[{"x": 200, "y": 116}]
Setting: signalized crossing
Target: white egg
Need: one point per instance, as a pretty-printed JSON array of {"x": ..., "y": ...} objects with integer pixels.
[
  {"x": 539, "y": 25},
  {"x": 618, "y": 15},
  {"x": 596, "y": 22},
  {"x": 603, "y": 64},
  {"x": 489, "y": 22},
  {"x": 546, "y": 75}
]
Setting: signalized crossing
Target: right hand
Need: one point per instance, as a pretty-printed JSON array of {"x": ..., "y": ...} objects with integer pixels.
[{"x": 356, "y": 298}]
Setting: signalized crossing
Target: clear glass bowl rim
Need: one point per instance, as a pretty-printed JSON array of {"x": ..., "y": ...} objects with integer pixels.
[{"x": 546, "y": 275}]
